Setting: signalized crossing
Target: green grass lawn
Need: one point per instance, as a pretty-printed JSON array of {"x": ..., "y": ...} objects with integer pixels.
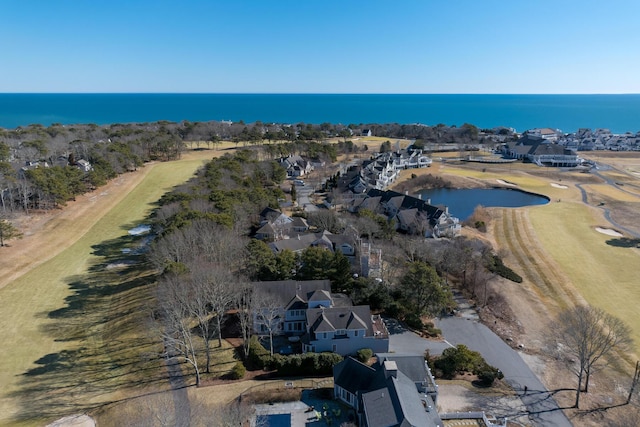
[
  {"x": 70, "y": 328},
  {"x": 606, "y": 276}
]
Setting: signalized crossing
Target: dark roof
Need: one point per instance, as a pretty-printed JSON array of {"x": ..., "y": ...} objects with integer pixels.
[
  {"x": 339, "y": 239},
  {"x": 284, "y": 291},
  {"x": 299, "y": 222},
  {"x": 552, "y": 149},
  {"x": 269, "y": 214},
  {"x": 334, "y": 318},
  {"x": 298, "y": 243},
  {"x": 398, "y": 403},
  {"x": 353, "y": 376},
  {"x": 389, "y": 398},
  {"x": 266, "y": 229},
  {"x": 379, "y": 409},
  {"x": 413, "y": 366},
  {"x": 407, "y": 202}
]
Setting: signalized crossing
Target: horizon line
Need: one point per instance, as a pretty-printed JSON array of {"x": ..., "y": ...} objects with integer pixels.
[{"x": 323, "y": 93}]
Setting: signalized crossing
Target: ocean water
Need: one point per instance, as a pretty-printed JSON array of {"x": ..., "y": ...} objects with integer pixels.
[{"x": 619, "y": 113}]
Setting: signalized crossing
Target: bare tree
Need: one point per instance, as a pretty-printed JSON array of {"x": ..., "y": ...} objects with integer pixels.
[
  {"x": 268, "y": 315},
  {"x": 244, "y": 302},
  {"x": 589, "y": 333},
  {"x": 174, "y": 301},
  {"x": 211, "y": 295}
]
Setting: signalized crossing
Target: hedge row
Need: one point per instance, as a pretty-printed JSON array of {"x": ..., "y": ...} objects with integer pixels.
[{"x": 307, "y": 364}]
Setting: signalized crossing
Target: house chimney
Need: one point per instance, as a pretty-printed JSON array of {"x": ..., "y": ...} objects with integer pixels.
[{"x": 390, "y": 368}]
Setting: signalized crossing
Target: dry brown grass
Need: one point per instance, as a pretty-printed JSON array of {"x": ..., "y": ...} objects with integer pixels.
[{"x": 564, "y": 261}]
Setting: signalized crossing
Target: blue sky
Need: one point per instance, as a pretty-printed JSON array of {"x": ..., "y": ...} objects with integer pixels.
[{"x": 307, "y": 46}]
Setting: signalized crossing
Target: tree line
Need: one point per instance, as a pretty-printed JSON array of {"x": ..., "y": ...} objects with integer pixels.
[{"x": 117, "y": 148}]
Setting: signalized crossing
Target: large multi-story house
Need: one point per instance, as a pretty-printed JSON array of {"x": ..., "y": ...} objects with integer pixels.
[
  {"x": 411, "y": 214},
  {"x": 397, "y": 390},
  {"x": 536, "y": 149},
  {"x": 295, "y": 166},
  {"x": 325, "y": 321},
  {"x": 383, "y": 169},
  {"x": 344, "y": 330}
]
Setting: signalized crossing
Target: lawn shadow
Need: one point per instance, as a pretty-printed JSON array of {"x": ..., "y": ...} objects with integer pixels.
[{"x": 102, "y": 327}]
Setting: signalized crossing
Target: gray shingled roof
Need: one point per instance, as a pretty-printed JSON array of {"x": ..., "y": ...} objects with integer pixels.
[
  {"x": 353, "y": 376},
  {"x": 413, "y": 366},
  {"x": 294, "y": 244},
  {"x": 379, "y": 409},
  {"x": 332, "y": 319},
  {"x": 320, "y": 295},
  {"x": 284, "y": 291}
]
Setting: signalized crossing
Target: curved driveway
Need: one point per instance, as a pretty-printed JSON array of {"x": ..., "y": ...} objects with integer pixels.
[{"x": 541, "y": 406}]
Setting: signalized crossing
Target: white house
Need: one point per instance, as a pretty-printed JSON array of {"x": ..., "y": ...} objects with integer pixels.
[{"x": 344, "y": 330}]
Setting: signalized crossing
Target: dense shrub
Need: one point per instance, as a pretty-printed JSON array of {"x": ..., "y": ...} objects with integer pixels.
[
  {"x": 364, "y": 354},
  {"x": 307, "y": 364},
  {"x": 238, "y": 371},
  {"x": 430, "y": 329},
  {"x": 259, "y": 356},
  {"x": 413, "y": 321},
  {"x": 487, "y": 374},
  {"x": 495, "y": 265},
  {"x": 461, "y": 359}
]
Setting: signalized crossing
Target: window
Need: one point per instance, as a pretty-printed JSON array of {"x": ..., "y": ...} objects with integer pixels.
[
  {"x": 340, "y": 332},
  {"x": 355, "y": 333}
]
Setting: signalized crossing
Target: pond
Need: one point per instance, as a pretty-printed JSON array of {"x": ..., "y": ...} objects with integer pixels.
[{"x": 463, "y": 201}]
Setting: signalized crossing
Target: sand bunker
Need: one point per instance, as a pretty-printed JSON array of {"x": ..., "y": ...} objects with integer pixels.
[
  {"x": 503, "y": 182},
  {"x": 608, "y": 232},
  {"x": 80, "y": 420},
  {"x": 564, "y": 187}
]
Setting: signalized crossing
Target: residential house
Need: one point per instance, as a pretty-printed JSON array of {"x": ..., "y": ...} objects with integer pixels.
[
  {"x": 274, "y": 225},
  {"x": 326, "y": 321},
  {"x": 381, "y": 170},
  {"x": 290, "y": 298},
  {"x": 398, "y": 390},
  {"x": 344, "y": 330},
  {"x": 411, "y": 214},
  {"x": 548, "y": 134},
  {"x": 383, "y": 395},
  {"x": 30, "y": 165},
  {"x": 295, "y": 166},
  {"x": 298, "y": 242}
]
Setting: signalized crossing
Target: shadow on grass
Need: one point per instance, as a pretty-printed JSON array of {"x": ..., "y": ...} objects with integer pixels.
[
  {"x": 624, "y": 242},
  {"x": 102, "y": 326}
]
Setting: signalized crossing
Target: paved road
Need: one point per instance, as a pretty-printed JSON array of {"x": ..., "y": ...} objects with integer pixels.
[
  {"x": 541, "y": 406},
  {"x": 304, "y": 191},
  {"x": 181, "y": 406}
]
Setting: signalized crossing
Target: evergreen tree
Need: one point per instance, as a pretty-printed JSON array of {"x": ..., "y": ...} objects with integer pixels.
[{"x": 8, "y": 231}]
